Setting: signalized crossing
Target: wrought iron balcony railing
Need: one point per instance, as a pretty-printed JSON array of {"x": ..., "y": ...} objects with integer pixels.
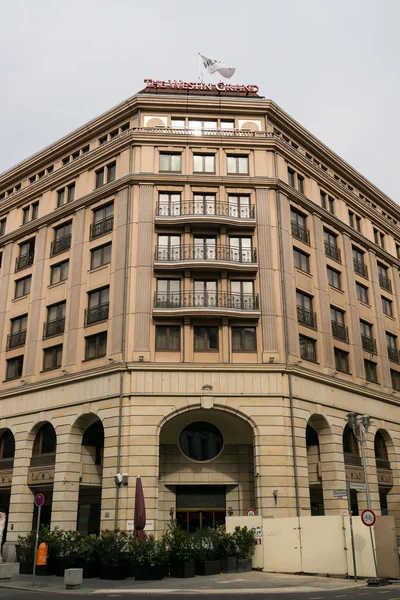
[
  {"x": 60, "y": 245},
  {"x": 368, "y": 343},
  {"x": 360, "y": 268},
  {"x": 333, "y": 252},
  {"x": 205, "y": 253},
  {"x": 205, "y": 208},
  {"x": 300, "y": 232},
  {"x": 55, "y": 327},
  {"x": 96, "y": 313},
  {"x": 340, "y": 331},
  {"x": 218, "y": 300},
  {"x": 385, "y": 282},
  {"x": 393, "y": 354},
  {"x": 23, "y": 261},
  {"x": 16, "y": 339},
  {"x": 306, "y": 317},
  {"x": 101, "y": 227}
]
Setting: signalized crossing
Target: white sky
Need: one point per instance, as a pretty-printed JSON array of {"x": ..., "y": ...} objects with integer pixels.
[{"x": 333, "y": 65}]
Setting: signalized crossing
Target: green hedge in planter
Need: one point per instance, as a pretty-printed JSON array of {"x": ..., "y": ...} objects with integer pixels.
[
  {"x": 244, "y": 539},
  {"x": 180, "y": 547},
  {"x": 111, "y": 548}
]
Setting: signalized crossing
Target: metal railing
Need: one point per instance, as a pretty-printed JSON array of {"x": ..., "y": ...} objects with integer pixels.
[
  {"x": 101, "y": 227},
  {"x": 385, "y": 282},
  {"x": 381, "y": 463},
  {"x": 368, "y": 343},
  {"x": 23, "y": 261},
  {"x": 200, "y": 131},
  {"x": 60, "y": 245},
  {"x": 333, "y": 251},
  {"x": 16, "y": 339},
  {"x": 393, "y": 354},
  {"x": 55, "y": 327},
  {"x": 218, "y": 300},
  {"x": 96, "y": 313},
  {"x": 208, "y": 208},
  {"x": 340, "y": 331},
  {"x": 360, "y": 268},
  {"x": 300, "y": 232},
  {"x": 205, "y": 253},
  {"x": 306, "y": 317},
  {"x": 352, "y": 459}
]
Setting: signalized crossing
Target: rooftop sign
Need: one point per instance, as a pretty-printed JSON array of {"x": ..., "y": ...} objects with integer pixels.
[{"x": 178, "y": 84}]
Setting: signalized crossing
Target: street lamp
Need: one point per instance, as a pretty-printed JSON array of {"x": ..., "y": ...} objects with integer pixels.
[{"x": 360, "y": 424}]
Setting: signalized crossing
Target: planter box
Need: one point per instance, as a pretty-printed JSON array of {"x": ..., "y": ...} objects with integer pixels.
[
  {"x": 113, "y": 572},
  {"x": 147, "y": 573},
  {"x": 208, "y": 567},
  {"x": 183, "y": 568},
  {"x": 244, "y": 564},
  {"x": 229, "y": 565},
  {"x": 26, "y": 567}
]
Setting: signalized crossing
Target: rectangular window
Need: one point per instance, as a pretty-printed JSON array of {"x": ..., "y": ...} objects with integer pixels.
[
  {"x": 197, "y": 126},
  {"x": 341, "y": 361},
  {"x": 169, "y": 204},
  {"x": 168, "y": 293},
  {"x": 334, "y": 278},
  {"x": 19, "y": 324},
  {"x": 66, "y": 194},
  {"x": 301, "y": 260},
  {"x": 111, "y": 172},
  {"x": 327, "y": 202},
  {"x": 237, "y": 165},
  {"x": 96, "y": 345},
  {"x": 395, "y": 375},
  {"x": 205, "y": 339},
  {"x": 370, "y": 371},
  {"x": 14, "y": 367},
  {"x": 244, "y": 339},
  {"x": 300, "y": 184},
  {"x": 337, "y": 315},
  {"x": 30, "y": 213},
  {"x": 239, "y": 206},
  {"x": 203, "y": 163},
  {"x": 3, "y": 226},
  {"x": 227, "y": 124},
  {"x": 354, "y": 221},
  {"x": 299, "y": 226},
  {"x": 305, "y": 314},
  {"x": 387, "y": 307},
  {"x": 71, "y": 192},
  {"x": 98, "y": 306},
  {"x": 291, "y": 177},
  {"x": 99, "y": 178},
  {"x": 379, "y": 238},
  {"x": 52, "y": 357},
  {"x": 103, "y": 220},
  {"x": 362, "y": 293},
  {"x": 170, "y": 162},
  {"x": 397, "y": 246},
  {"x": 178, "y": 123},
  {"x": 59, "y": 272},
  {"x": 106, "y": 174},
  {"x": 100, "y": 256},
  {"x": 168, "y": 337},
  {"x": 308, "y": 348},
  {"x": 23, "y": 287}
]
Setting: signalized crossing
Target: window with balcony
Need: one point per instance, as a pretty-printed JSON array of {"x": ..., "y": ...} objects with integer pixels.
[
  {"x": 331, "y": 248},
  {"x": 197, "y": 126},
  {"x": 169, "y": 204},
  {"x": 168, "y": 337},
  {"x": 391, "y": 343},
  {"x": 205, "y": 293},
  {"x": 178, "y": 123},
  {"x": 62, "y": 239},
  {"x": 237, "y": 165},
  {"x": 30, "y": 213},
  {"x": 305, "y": 314},
  {"x": 295, "y": 180},
  {"x": 362, "y": 293},
  {"x": 244, "y": 339},
  {"x": 398, "y": 250},
  {"x": 395, "y": 375},
  {"x": 106, "y": 174},
  {"x": 55, "y": 323},
  {"x": 242, "y": 295},
  {"x": 96, "y": 345},
  {"x": 100, "y": 256},
  {"x": 205, "y": 248},
  {"x": 368, "y": 342},
  {"x": 387, "y": 306},
  {"x": 301, "y": 260},
  {"x": 339, "y": 329},
  {"x": 23, "y": 286},
  {"x": 299, "y": 229},
  {"x": 103, "y": 220},
  {"x": 308, "y": 348},
  {"x": 203, "y": 163},
  {"x": 170, "y": 162},
  {"x": 239, "y": 207},
  {"x": 66, "y": 194},
  {"x": 52, "y": 357},
  {"x": 205, "y": 204},
  {"x": 383, "y": 275},
  {"x": 59, "y": 272},
  {"x": 169, "y": 248},
  {"x": 341, "y": 360},
  {"x": 227, "y": 124},
  {"x": 98, "y": 306},
  {"x": 358, "y": 263},
  {"x": 354, "y": 221},
  {"x": 168, "y": 293},
  {"x": 327, "y": 202},
  {"x": 26, "y": 255},
  {"x": 379, "y": 238},
  {"x": 17, "y": 337},
  {"x": 14, "y": 367},
  {"x": 3, "y": 223},
  {"x": 334, "y": 278},
  {"x": 241, "y": 250},
  {"x": 205, "y": 339},
  {"x": 371, "y": 373}
]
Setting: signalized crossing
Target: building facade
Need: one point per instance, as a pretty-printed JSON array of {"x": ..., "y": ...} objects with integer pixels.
[{"x": 194, "y": 289}]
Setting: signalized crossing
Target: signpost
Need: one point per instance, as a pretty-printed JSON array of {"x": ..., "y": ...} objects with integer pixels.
[
  {"x": 368, "y": 517},
  {"x": 251, "y": 512},
  {"x": 39, "y": 501}
]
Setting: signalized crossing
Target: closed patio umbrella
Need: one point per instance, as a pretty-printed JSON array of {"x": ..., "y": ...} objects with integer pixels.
[{"x": 140, "y": 511}]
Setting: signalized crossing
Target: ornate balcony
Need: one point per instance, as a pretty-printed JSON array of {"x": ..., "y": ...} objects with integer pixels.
[
  {"x": 300, "y": 233},
  {"x": 393, "y": 354},
  {"x": 207, "y": 211},
  {"x": 16, "y": 339},
  {"x": 23, "y": 261},
  {"x": 95, "y": 314},
  {"x": 235, "y": 257},
  {"x": 215, "y": 132},
  {"x": 360, "y": 268},
  {"x": 385, "y": 282},
  {"x": 368, "y": 343},
  {"x": 333, "y": 252},
  {"x": 101, "y": 227},
  {"x": 306, "y": 317},
  {"x": 340, "y": 331},
  {"x": 206, "y": 302},
  {"x": 52, "y": 328},
  {"x": 60, "y": 245}
]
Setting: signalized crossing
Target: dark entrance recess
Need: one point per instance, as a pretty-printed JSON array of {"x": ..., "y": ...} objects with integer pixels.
[{"x": 199, "y": 506}]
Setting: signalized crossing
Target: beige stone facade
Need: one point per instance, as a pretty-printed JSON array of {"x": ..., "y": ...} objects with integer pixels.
[{"x": 194, "y": 258}]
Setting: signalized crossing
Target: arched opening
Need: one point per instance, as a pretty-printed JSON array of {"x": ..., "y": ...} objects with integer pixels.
[
  {"x": 314, "y": 470},
  {"x": 7, "y": 451},
  {"x": 352, "y": 462},
  {"x": 41, "y": 469},
  {"x": 384, "y": 471},
  {"x": 206, "y": 468}
]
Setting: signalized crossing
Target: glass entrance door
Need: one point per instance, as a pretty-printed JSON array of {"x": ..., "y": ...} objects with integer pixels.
[{"x": 191, "y": 520}]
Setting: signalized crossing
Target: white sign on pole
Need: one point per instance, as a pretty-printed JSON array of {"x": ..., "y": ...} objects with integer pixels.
[
  {"x": 359, "y": 487},
  {"x": 339, "y": 493}
]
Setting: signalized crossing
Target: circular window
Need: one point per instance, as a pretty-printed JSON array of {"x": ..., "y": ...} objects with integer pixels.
[{"x": 201, "y": 441}]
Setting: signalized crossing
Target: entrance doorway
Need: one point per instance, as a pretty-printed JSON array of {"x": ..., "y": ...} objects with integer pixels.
[
  {"x": 199, "y": 506},
  {"x": 190, "y": 520}
]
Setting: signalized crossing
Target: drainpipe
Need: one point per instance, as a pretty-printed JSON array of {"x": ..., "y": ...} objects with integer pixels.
[{"x": 286, "y": 337}]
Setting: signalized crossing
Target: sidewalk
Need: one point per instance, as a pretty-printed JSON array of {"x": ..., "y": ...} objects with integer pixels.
[{"x": 255, "y": 582}]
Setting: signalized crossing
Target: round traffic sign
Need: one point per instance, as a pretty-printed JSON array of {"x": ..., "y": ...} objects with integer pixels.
[
  {"x": 251, "y": 512},
  {"x": 368, "y": 517},
  {"x": 39, "y": 499}
]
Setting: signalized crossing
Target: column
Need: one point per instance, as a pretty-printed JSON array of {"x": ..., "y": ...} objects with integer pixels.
[
  {"x": 332, "y": 468},
  {"x": 372, "y": 476}
]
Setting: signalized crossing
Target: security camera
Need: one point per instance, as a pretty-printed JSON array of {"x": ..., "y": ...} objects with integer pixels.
[{"x": 118, "y": 478}]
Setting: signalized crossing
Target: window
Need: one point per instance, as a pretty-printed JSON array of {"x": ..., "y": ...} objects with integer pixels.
[
  {"x": 242, "y": 295},
  {"x": 103, "y": 220},
  {"x": 244, "y": 339},
  {"x": 205, "y": 248},
  {"x": 341, "y": 360},
  {"x": 170, "y": 162},
  {"x": 3, "y": 223},
  {"x": 397, "y": 248},
  {"x": 339, "y": 329},
  {"x": 168, "y": 293},
  {"x": 299, "y": 229},
  {"x": 291, "y": 177},
  {"x": 362, "y": 293},
  {"x": 395, "y": 375},
  {"x": 300, "y": 183},
  {"x": 17, "y": 336},
  {"x": 204, "y": 204},
  {"x": 367, "y": 341},
  {"x": 98, "y": 306},
  {"x": 197, "y": 126},
  {"x": 334, "y": 278},
  {"x": 66, "y": 194},
  {"x": 14, "y": 367},
  {"x": 387, "y": 307},
  {"x": 379, "y": 238},
  {"x": 301, "y": 260},
  {"x": 295, "y": 180},
  {"x": 327, "y": 202},
  {"x": 227, "y": 124},
  {"x": 203, "y": 163},
  {"x": 205, "y": 339},
  {"x": 26, "y": 255},
  {"x": 205, "y": 293},
  {"x": 52, "y": 357},
  {"x": 237, "y": 165},
  {"x": 241, "y": 249},
  {"x": 305, "y": 314},
  {"x": 100, "y": 256},
  {"x": 239, "y": 206},
  {"x": 59, "y": 272},
  {"x": 55, "y": 324},
  {"x": 354, "y": 221},
  {"x": 45, "y": 441},
  {"x": 370, "y": 371},
  {"x": 30, "y": 213},
  {"x": 96, "y": 345},
  {"x": 22, "y": 287},
  {"x": 331, "y": 247},
  {"x": 308, "y": 348},
  {"x": 201, "y": 441},
  {"x": 358, "y": 263},
  {"x": 391, "y": 344},
  {"x": 169, "y": 204},
  {"x": 105, "y": 174},
  {"x": 62, "y": 239},
  {"x": 383, "y": 276},
  {"x": 366, "y": 329},
  {"x": 168, "y": 337},
  {"x": 169, "y": 248},
  {"x": 178, "y": 123}
]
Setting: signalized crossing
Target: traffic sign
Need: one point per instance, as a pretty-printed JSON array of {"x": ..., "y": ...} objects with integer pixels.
[
  {"x": 359, "y": 487},
  {"x": 251, "y": 512},
  {"x": 39, "y": 499},
  {"x": 368, "y": 517}
]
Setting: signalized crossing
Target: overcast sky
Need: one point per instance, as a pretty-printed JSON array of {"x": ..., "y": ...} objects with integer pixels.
[{"x": 333, "y": 65}]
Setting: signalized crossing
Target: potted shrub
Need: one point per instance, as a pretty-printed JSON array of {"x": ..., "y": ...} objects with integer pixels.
[
  {"x": 244, "y": 539},
  {"x": 151, "y": 559},
  {"x": 53, "y": 538},
  {"x": 181, "y": 552},
  {"x": 25, "y": 549},
  {"x": 111, "y": 547},
  {"x": 205, "y": 552},
  {"x": 68, "y": 552},
  {"x": 226, "y": 551},
  {"x": 86, "y": 556}
]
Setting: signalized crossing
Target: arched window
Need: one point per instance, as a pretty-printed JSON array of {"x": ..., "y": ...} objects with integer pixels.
[
  {"x": 94, "y": 436},
  {"x": 7, "y": 445},
  {"x": 45, "y": 441},
  {"x": 311, "y": 436},
  {"x": 381, "y": 453},
  {"x": 350, "y": 447}
]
